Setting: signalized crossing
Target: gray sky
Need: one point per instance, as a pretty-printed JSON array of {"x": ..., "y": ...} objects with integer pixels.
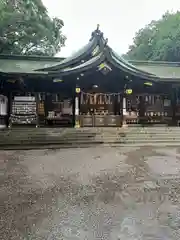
[{"x": 119, "y": 20}]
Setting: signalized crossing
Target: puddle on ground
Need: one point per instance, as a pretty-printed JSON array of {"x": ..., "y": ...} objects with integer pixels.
[
  {"x": 164, "y": 165},
  {"x": 172, "y": 152}
]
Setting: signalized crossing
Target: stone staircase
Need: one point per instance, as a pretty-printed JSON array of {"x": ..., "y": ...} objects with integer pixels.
[
  {"x": 28, "y": 138},
  {"x": 140, "y": 136},
  {"x": 152, "y": 136}
]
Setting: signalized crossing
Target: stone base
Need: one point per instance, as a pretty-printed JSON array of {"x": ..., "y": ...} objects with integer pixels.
[
  {"x": 124, "y": 124},
  {"x": 77, "y": 124}
]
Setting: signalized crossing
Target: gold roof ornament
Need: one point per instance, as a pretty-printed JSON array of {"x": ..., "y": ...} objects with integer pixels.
[{"x": 104, "y": 68}]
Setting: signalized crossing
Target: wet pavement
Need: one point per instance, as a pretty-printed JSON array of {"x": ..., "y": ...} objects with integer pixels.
[{"x": 95, "y": 193}]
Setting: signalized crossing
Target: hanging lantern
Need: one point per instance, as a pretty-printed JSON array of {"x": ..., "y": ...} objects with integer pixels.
[
  {"x": 129, "y": 91},
  {"x": 148, "y": 83},
  {"x": 57, "y": 80},
  {"x": 78, "y": 90},
  {"x": 11, "y": 80}
]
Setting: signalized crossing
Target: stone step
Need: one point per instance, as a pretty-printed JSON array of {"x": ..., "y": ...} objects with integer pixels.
[
  {"x": 93, "y": 130},
  {"x": 86, "y": 141},
  {"x": 87, "y": 144},
  {"x": 130, "y": 134},
  {"x": 113, "y": 145},
  {"x": 130, "y": 139},
  {"x": 89, "y": 137},
  {"x": 155, "y": 144},
  {"x": 51, "y": 142},
  {"x": 141, "y": 130},
  {"x": 138, "y": 139},
  {"x": 150, "y": 136},
  {"x": 61, "y": 144}
]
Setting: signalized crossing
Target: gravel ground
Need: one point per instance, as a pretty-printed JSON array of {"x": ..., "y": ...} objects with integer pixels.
[{"x": 94, "y": 193}]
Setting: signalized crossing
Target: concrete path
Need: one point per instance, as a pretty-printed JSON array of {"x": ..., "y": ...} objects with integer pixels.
[{"x": 126, "y": 193}]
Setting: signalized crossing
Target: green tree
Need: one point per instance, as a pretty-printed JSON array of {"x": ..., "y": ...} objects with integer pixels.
[
  {"x": 26, "y": 28},
  {"x": 158, "y": 41}
]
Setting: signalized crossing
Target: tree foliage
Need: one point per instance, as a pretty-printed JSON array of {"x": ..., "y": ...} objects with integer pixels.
[
  {"x": 158, "y": 41},
  {"x": 26, "y": 28}
]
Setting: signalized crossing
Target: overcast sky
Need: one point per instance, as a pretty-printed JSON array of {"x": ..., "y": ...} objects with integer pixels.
[{"x": 118, "y": 19}]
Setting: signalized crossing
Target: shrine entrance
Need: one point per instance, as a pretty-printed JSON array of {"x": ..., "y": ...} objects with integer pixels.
[{"x": 100, "y": 109}]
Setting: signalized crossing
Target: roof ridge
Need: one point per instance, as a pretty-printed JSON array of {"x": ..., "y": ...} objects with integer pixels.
[
  {"x": 31, "y": 57},
  {"x": 154, "y": 62}
]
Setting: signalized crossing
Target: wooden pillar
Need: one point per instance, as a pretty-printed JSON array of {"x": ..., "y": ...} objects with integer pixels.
[
  {"x": 142, "y": 109},
  {"x": 124, "y": 112},
  {"x": 37, "y": 109},
  {"x": 77, "y": 104},
  {"x": 174, "y": 96},
  {"x": 10, "y": 109},
  {"x": 9, "y": 94}
]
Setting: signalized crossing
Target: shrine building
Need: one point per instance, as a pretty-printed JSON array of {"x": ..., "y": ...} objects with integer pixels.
[{"x": 95, "y": 87}]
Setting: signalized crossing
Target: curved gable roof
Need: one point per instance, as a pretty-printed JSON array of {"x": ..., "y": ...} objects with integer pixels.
[
  {"x": 87, "y": 57},
  {"x": 85, "y": 53}
]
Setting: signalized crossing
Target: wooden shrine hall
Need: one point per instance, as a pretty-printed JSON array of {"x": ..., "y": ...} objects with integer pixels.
[{"x": 94, "y": 87}]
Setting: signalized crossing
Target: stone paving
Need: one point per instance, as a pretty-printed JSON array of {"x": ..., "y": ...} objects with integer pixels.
[{"x": 126, "y": 193}]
